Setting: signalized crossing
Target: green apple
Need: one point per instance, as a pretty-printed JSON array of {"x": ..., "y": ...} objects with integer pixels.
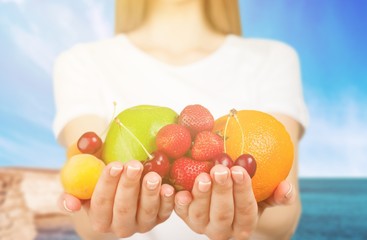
[{"x": 132, "y": 133}]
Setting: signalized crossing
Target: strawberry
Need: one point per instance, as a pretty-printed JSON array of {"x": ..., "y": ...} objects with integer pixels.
[
  {"x": 174, "y": 140},
  {"x": 196, "y": 118},
  {"x": 207, "y": 145},
  {"x": 184, "y": 171}
]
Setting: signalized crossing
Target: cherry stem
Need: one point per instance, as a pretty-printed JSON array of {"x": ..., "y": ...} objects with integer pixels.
[
  {"x": 233, "y": 113},
  {"x": 134, "y": 137},
  {"x": 225, "y": 133}
]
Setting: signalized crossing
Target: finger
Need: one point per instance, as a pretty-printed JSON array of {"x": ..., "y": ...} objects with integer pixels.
[
  {"x": 68, "y": 203},
  {"x": 284, "y": 194},
  {"x": 149, "y": 201},
  {"x": 182, "y": 202},
  {"x": 246, "y": 211},
  {"x": 167, "y": 202},
  {"x": 126, "y": 199},
  {"x": 222, "y": 206},
  {"x": 200, "y": 206},
  {"x": 102, "y": 201}
]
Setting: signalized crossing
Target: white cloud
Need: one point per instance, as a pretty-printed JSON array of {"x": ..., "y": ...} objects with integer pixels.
[
  {"x": 5, "y": 144},
  {"x": 40, "y": 31},
  {"x": 101, "y": 27},
  {"x": 26, "y": 149},
  {"x": 42, "y": 40},
  {"x": 19, "y": 3},
  {"x": 35, "y": 47},
  {"x": 336, "y": 141}
]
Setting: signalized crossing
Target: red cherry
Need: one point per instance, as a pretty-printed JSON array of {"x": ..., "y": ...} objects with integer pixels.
[
  {"x": 223, "y": 159},
  {"x": 89, "y": 143},
  {"x": 248, "y": 162},
  {"x": 159, "y": 164}
]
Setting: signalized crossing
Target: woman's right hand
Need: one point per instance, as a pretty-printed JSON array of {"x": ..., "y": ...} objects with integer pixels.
[{"x": 122, "y": 203}]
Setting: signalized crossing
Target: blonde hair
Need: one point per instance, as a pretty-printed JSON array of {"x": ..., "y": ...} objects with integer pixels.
[{"x": 223, "y": 15}]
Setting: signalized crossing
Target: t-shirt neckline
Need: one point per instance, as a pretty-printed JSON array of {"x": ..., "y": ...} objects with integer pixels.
[{"x": 153, "y": 60}]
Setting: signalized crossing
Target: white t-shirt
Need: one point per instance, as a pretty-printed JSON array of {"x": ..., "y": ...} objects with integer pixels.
[{"x": 243, "y": 74}]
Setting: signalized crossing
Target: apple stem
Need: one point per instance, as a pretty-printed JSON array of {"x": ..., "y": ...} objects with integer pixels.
[
  {"x": 234, "y": 114},
  {"x": 134, "y": 137},
  {"x": 113, "y": 116}
]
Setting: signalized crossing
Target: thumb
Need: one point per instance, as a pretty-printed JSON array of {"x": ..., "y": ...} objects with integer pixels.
[
  {"x": 68, "y": 203},
  {"x": 284, "y": 194}
]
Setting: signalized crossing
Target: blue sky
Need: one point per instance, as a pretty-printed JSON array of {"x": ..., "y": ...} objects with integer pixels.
[{"x": 328, "y": 36}]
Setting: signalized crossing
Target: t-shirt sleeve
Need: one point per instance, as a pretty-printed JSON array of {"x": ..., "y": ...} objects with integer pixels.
[
  {"x": 76, "y": 88},
  {"x": 281, "y": 91}
]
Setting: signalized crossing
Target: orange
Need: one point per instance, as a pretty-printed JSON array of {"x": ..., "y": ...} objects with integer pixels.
[{"x": 266, "y": 139}]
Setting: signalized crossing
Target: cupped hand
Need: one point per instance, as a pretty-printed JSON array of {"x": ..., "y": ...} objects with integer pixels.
[
  {"x": 222, "y": 205},
  {"x": 124, "y": 204}
]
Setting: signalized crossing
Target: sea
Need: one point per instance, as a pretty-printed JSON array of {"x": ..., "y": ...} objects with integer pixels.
[{"x": 332, "y": 208}]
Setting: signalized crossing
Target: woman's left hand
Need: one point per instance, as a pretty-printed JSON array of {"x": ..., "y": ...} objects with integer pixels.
[{"x": 222, "y": 205}]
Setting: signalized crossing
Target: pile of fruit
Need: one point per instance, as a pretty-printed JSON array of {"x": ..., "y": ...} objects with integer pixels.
[{"x": 180, "y": 147}]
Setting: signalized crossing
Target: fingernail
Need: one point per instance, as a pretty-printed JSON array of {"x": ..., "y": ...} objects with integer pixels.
[
  {"x": 237, "y": 176},
  {"x": 183, "y": 202},
  {"x": 66, "y": 207},
  {"x": 204, "y": 186},
  {"x": 115, "y": 170},
  {"x": 132, "y": 171},
  {"x": 221, "y": 177},
  {"x": 168, "y": 192},
  {"x": 289, "y": 194},
  {"x": 152, "y": 183}
]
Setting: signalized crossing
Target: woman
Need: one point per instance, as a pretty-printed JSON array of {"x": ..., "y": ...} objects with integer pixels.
[{"x": 174, "y": 53}]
